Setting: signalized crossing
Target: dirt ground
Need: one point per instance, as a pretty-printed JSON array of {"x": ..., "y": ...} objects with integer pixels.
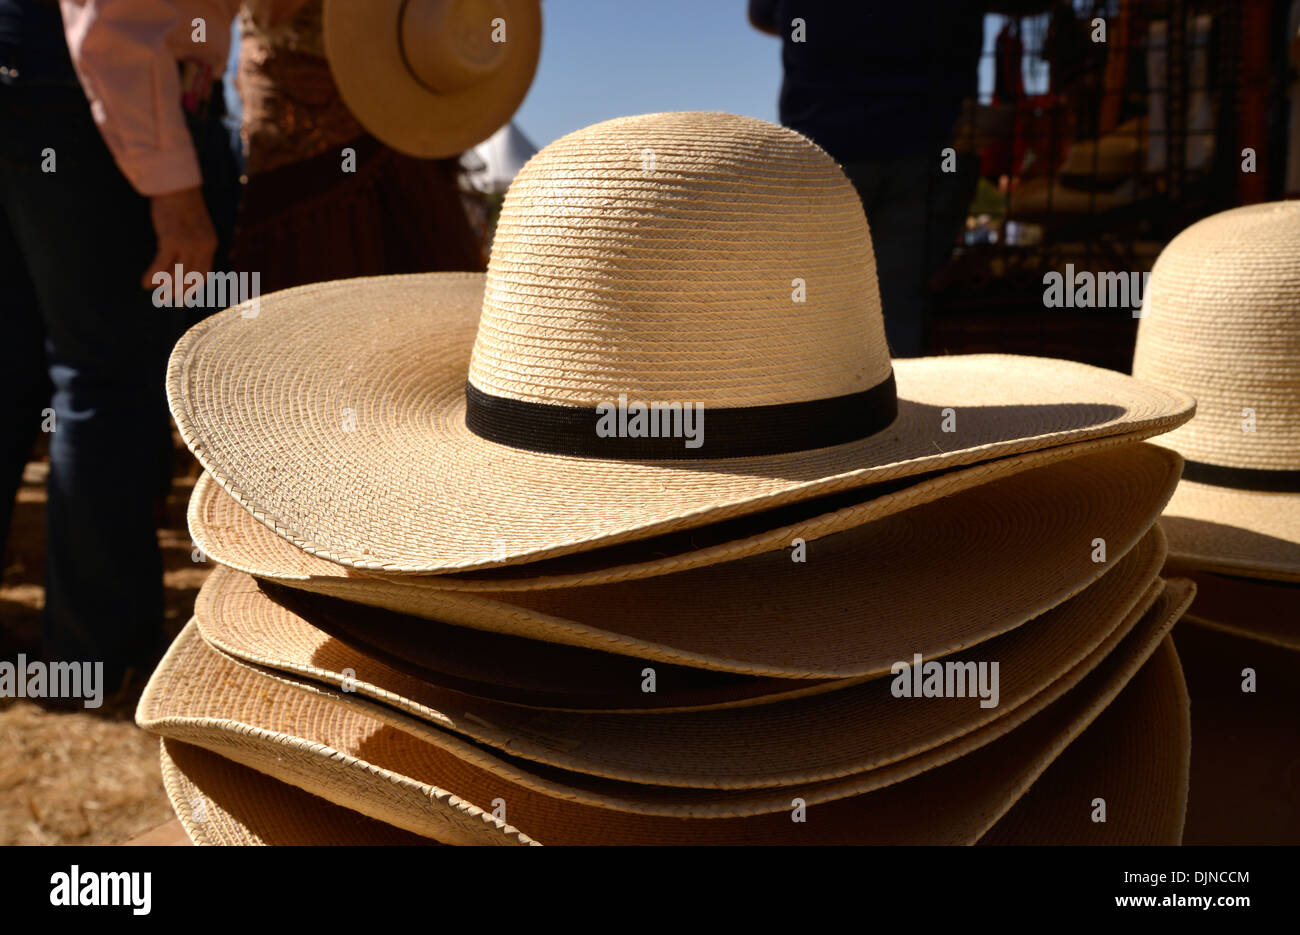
[{"x": 79, "y": 776}]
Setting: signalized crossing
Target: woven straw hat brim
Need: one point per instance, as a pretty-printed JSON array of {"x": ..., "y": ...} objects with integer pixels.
[
  {"x": 1135, "y": 756},
  {"x": 930, "y": 580},
  {"x": 335, "y": 415},
  {"x": 1246, "y": 750},
  {"x": 242, "y": 806},
  {"x": 811, "y": 739},
  {"x": 550, "y": 817},
  {"x": 366, "y": 61},
  {"x": 236, "y": 614},
  {"x": 220, "y": 802},
  {"x": 1250, "y": 608},
  {"x": 1236, "y": 532},
  {"x": 223, "y": 530}
]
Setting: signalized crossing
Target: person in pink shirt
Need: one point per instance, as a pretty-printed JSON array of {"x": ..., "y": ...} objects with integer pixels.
[
  {"x": 115, "y": 168},
  {"x": 126, "y": 54}
]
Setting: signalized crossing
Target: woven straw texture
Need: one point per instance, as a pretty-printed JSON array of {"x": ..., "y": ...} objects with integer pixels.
[
  {"x": 893, "y": 814},
  {"x": 222, "y": 803},
  {"x": 655, "y": 256},
  {"x": 1236, "y": 532},
  {"x": 223, "y": 530},
  {"x": 1220, "y": 323},
  {"x": 408, "y": 110},
  {"x": 336, "y": 413},
  {"x": 1136, "y": 756},
  {"x": 306, "y": 632},
  {"x": 929, "y": 580},
  {"x": 820, "y": 737}
]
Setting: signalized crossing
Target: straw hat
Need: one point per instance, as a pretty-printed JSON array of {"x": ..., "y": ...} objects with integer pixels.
[
  {"x": 336, "y": 749},
  {"x": 1111, "y": 158},
  {"x": 813, "y": 739},
  {"x": 432, "y": 78},
  {"x": 223, "y": 530},
  {"x": 1135, "y": 756},
  {"x": 1220, "y": 323},
  {"x": 267, "y": 624},
  {"x": 931, "y": 579},
  {"x": 1259, "y": 610},
  {"x": 719, "y": 264},
  {"x": 219, "y": 802}
]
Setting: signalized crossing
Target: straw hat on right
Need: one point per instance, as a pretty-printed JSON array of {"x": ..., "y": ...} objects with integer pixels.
[{"x": 1221, "y": 321}]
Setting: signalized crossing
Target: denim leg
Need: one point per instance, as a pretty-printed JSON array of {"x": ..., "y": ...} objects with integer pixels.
[
  {"x": 85, "y": 238},
  {"x": 24, "y": 385}
]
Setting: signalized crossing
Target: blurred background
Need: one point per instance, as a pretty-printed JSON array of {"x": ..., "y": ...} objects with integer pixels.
[{"x": 1083, "y": 151}]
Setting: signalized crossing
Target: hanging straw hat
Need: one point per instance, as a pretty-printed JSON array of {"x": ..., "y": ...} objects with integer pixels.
[
  {"x": 432, "y": 78},
  {"x": 656, "y": 763},
  {"x": 1109, "y": 159},
  {"x": 1220, "y": 323},
  {"x": 709, "y": 273},
  {"x": 1135, "y": 757},
  {"x": 338, "y": 749},
  {"x": 931, "y": 579}
]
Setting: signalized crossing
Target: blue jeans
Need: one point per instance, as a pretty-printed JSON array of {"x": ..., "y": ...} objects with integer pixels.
[{"x": 84, "y": 338}]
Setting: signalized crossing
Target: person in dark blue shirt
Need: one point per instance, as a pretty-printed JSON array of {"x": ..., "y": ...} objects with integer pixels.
[{"x": 879, "y": 85}]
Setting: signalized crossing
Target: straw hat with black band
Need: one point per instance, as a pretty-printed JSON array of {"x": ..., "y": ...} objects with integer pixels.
[
  {"x": 432, "y": 78},
  {"x": 1220, "y": 322},
  {"x": 693, "y": 265}
]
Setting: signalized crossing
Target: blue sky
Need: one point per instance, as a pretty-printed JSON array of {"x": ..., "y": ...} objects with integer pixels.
[
  {"x": 603, "y": 59},
  {"x": 613, "y": 58}
]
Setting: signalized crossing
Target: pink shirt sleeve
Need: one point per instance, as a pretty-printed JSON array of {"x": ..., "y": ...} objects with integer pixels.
[{"x": 125, "y": 53}]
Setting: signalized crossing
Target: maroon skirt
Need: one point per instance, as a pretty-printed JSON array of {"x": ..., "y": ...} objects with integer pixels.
[{"x": 310, "y": 221}]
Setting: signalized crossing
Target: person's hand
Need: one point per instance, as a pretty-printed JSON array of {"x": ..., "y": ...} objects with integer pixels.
[{"x": 184, "y": 233}]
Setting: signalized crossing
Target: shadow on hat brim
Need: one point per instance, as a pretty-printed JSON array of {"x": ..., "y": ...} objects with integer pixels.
[
  {"x": 1235, "y": 532},
  {"x": 952, "y": 803},
  {"x": 201, "y": 696},
  {"x": 219, "y": 802},
  {"x": 929, "y": 580},
  {"x": 1245, "y": 769},
  {"x": 1247, "y": 607},
  {"x": 226, "y": 532},
  {"x": 366, "y": 61},
  {"x": 817, "y": 737},
  {"x": 406, "y": 487},
  {"x": 1135, "y": 757}
]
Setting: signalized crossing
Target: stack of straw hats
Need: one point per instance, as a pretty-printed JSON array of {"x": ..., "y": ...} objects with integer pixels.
[
  {"x": 1221, "y": 322},
  {"x": 464, "y": 596}
]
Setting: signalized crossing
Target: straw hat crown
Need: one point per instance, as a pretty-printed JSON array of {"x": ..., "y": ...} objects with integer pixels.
[
  {"x": 693, "y": 257},
  {"x": 1222, "y": 322}
]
